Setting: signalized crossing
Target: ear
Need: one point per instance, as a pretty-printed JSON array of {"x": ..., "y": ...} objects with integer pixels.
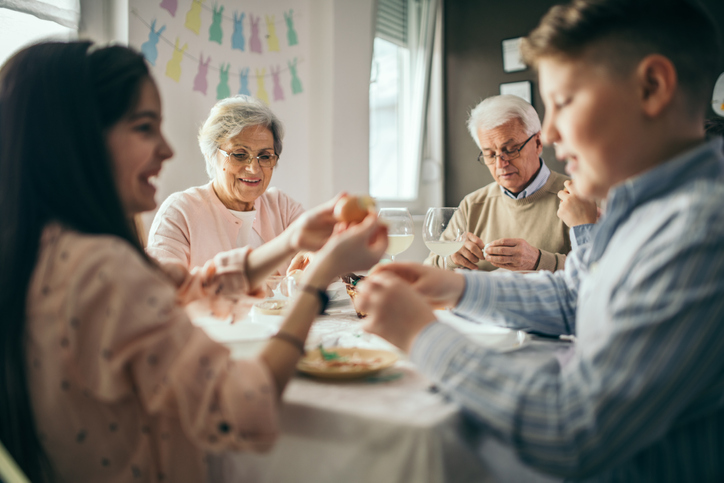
[
  {"x": 538, "y": 143},
  {"x": 658, "y": 82}
]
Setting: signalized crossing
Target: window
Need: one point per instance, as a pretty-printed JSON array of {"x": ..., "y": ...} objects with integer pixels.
[
  {"x": 23, "y": 23},
  {"x": 399, "y": 97}
]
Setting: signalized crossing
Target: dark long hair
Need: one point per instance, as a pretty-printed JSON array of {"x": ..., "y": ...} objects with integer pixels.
[{"x": 57, "y": 102}]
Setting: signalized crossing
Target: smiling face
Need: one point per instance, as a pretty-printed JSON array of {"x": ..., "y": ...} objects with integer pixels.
[
  {"x": 594, "y": 120},
  {"x": 238, "y": 186},
  {"x": 516, "y": 174},
  {"x": 138, "y": 149}
]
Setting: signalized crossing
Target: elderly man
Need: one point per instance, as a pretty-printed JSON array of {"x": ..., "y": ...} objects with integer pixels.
[{"x": 512, "y": 222}]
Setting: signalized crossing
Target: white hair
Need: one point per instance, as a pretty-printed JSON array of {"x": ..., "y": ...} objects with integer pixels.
[
  {"x": 228, "y": 118},
  {"x": 497, "y": 110}
]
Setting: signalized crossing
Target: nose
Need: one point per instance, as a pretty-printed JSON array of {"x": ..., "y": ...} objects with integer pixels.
[
  {"x": 165, "y": 150},
  {"x": 253, "y": 166},
  {"x": 549, "y": 133}
]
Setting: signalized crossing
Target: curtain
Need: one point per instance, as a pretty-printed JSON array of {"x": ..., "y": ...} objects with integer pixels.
[{"x": 63, "y": 12}]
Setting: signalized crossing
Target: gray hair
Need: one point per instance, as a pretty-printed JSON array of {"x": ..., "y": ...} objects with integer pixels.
[
  {"x": 228, "y": 118},
  {"x": 497, "y": 110}
]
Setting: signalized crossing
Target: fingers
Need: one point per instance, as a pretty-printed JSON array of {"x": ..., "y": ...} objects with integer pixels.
[{"x": 464, "y": 258}]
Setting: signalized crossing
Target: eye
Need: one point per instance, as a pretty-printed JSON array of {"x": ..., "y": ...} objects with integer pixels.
[
  {"x": 560, "y": 103},
  {"x": 146, "y": 127},
  {"x": 241, "y": 156},
  {"x": 265, "y": 157}
]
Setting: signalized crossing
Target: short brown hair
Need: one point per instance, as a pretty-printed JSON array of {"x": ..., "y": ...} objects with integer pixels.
[{"x": 622, "y": 32}]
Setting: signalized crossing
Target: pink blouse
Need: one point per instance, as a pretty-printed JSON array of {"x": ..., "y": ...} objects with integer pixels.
[
  {"x": 194, "y": 225},
  {"x": 123, "y": 386}
]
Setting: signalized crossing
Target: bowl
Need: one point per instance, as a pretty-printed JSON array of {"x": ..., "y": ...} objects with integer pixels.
[
  {"x": 269, "y": 312},
  {"x": 244, "y": 339},
  {"x": 350, "y": 282}
]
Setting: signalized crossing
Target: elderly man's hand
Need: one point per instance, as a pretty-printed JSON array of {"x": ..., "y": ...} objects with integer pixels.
[
  {"x": 512, "y": 254},
  {"x": 471, "y": 252},
  {"x": 574, "y": 211},
  {"x": 395, "y": 311}
]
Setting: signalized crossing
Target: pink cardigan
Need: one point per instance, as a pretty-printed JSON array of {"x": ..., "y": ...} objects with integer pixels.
[
  {"x": 123, "y": 386},
  {"x": 193, "y": 225}
]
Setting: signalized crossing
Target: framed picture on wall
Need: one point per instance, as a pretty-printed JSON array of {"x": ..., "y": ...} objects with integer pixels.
[
  {"x": 521, "y": 89},
  {"x": 512, "y": 60}
]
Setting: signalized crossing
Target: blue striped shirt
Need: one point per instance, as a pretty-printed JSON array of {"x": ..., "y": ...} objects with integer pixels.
[{"x": 642, "y": 398}]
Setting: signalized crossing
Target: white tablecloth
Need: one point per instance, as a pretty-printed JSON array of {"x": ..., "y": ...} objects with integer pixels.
[{"x": 390, "y": 427}]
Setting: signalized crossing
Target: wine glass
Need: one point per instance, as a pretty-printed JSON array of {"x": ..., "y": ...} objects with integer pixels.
[
  {"x": 439, "y": 236},
  {"x": 400, "y": 230}
]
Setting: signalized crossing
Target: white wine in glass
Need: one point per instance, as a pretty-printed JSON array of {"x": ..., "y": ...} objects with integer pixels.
[
  {"x": 439, "y": 236},
  {"x": 400, "y": 230}
]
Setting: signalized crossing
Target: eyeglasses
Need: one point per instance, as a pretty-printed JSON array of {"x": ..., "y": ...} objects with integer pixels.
[
  {"x": 505, "y": 155},
  {"x": 265, "y": 160}
]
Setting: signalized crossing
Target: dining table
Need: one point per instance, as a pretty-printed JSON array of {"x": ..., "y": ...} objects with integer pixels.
[{"x": 393, "y": 425}]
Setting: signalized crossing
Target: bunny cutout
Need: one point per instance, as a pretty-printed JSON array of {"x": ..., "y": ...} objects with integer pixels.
[
  {"x": 260, "y": 89},
  {"x": 278, "y": 92},
  {"x": 170, "y": 5},
  {"x": 215, "y": 32},
  {"x": 148, "y": 48},
  {"x": 237, "y": 38},
  {"x": 254, "y": 41},
  {"x": 173, "y": 67},
  {"x": 296, "y": 83},
  {"x": 222, "y": 90},
  {"x": 272, "y": 33},
  {"x": 200, "y": 82},
  {"x": 244, "y": 79},
  {"x": 193, "y": 16},
  {"x": 291, "y": 33}
]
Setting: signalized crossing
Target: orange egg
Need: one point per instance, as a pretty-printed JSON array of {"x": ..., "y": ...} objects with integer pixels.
[{"x": 353, "y": 209}]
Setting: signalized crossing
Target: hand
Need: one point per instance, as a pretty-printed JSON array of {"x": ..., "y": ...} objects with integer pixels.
[
  {"x": 512, "y": 254},
  {"x": 351, "y": 248},
  {"x": 573, "y": 210},
  {"x": 313, "y": 228},
  {"x": 300, "y": 261},
  {"x": 440, "y": 288},
  {"x": 395, "y": 311},
  {"x": 471, "y": 252}
]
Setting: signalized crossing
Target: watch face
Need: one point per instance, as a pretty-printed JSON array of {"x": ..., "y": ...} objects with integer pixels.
[{"x": 717, "y": 100}]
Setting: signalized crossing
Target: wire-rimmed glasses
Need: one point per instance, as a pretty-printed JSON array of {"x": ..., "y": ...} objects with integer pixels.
[
  {"x": 504, "y": 155},
  {"x": 244, "y": 158}
]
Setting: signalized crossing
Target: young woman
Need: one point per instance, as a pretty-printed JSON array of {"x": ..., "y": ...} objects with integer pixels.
[{"x": 103, "y": 376}]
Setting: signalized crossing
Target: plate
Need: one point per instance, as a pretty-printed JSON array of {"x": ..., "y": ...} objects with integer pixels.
[
  {"x": 245, "y": 339},
  {"x": 359, "y": 363},
  {"x": 484, "y": 332}
]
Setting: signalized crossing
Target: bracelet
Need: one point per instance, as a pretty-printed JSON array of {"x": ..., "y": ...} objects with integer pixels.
[
  {"x": 321, "y": 295},
  {"x": 291, "y": 339}
]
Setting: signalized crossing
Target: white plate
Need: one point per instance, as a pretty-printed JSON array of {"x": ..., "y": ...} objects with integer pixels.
[{"x": 485, "y": 333}]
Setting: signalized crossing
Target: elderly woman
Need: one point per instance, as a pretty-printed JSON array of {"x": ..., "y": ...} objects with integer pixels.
[{"x": 241, "y": 142}]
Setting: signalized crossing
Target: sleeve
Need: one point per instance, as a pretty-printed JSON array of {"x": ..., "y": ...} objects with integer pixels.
[
  {"x": 168, "y": 238},
  {"x": 513, "y": 297},
  {"x": 295, "y": 210},
  {"x": 136, "y": 340},
  {"x": 654, "y": 369},
  {"x": 458, "y": 220},
  {"x": 551, "y": 261},
  {"x": 581, "y": 234}
]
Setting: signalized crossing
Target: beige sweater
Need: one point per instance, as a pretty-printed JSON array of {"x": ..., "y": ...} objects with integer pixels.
[{"x": 491, "y": 215}]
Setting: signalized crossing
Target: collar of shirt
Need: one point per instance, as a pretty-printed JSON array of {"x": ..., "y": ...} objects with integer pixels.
[
  {"x": 538, "y": 182},
  {"x": 705, "y": 161}
]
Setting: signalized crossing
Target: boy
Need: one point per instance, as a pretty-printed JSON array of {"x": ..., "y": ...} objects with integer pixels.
[{"x": 625, "y": 84}]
